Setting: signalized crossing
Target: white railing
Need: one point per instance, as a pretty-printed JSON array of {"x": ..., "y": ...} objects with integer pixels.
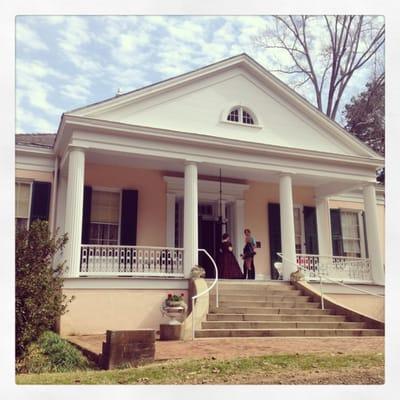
[
  {"x": 349, "y": 269},
  {"x": 318, "y": 275},
  {"x": 104, "y": 260},
  {"x": 194, "y": 298}
]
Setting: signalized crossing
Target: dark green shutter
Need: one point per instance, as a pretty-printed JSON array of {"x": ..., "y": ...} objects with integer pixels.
[
  {"x": 310, "y": 230},
  {"x": 365, "y": 238},
  {"x": 129, "y": 216},
  {"x": 337, "y": 239},
  {"x": 274, "y": 228},
  {"x": 40, "y": 204},
  {"x": 87, "y": 206}
]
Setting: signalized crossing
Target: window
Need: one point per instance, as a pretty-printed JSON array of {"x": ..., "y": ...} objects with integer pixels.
[
  {"x": 239, "y": 114},
  {"x": 351, "y": 233},
  {"x": 22, "y": 204},
  {"x": 104, "y": 218}
]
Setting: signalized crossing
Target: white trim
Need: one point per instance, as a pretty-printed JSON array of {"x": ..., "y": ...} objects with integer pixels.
[
  {"x": 208, "y": 190},
  {"x": 302, "y": 228},
  {"x": 242, "y": 124},
  {"x": 125, "y": 283}
]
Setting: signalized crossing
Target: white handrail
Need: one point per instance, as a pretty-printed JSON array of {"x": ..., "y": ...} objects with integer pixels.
[
  {"x": 300, "y": 267},
  {"x": 215, "y": 283}
]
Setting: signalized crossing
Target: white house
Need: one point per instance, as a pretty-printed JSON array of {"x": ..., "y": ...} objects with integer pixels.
[{"x": 135, "y": 182}]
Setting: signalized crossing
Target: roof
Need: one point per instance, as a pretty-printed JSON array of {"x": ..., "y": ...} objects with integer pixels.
[{"x": 45, "y": 140}]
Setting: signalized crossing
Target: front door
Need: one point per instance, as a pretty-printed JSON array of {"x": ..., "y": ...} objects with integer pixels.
[{"x": 208, "y": 238}]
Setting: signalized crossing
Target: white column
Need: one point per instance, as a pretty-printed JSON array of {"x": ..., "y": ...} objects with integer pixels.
[
  {"x": 323, "y": 226},
  {"x": 239, "y": 227},
  {"x": 371, "y": 222},
  {"x": 170, "y": 232},
  {"x": 190, "y": 218},
  {"x": 287, "y": 225},
  {"x": 74, "y": 210},
  {"x": 60, "y": 205}
]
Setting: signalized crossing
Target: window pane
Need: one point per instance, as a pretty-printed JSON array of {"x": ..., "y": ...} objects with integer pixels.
[
  {"x": 234, "y": 115},
  {"x": 247, "y": 118},
  {"x": 350, "y": 233},
  {"x": 22, "y": 195},
  {"x": 105, "y": 207}
]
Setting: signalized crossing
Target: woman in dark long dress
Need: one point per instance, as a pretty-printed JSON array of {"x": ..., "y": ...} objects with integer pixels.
[{"x": 227, "y": 264}]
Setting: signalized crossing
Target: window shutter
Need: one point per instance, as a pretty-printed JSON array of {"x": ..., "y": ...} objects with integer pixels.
[
  {"x": 337, "y": 240},
  {"x": 365, "y": 234},
  {"x": 87, "y": 205},
  {"x": 310, "y": 230},
  {"x": 40, "y": 205},
  {"x": 274, "y": 228},
  {"x": 129, "y": 217}
]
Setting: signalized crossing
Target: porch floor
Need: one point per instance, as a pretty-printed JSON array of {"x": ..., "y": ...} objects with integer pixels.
[{"x": 226, "y": 348}]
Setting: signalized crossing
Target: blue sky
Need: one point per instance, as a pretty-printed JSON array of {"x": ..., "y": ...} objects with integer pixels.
[{"x": 65, "y": 62}]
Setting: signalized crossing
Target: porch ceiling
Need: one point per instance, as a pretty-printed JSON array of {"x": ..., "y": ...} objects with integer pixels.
[{"x": 208, "y": 170}]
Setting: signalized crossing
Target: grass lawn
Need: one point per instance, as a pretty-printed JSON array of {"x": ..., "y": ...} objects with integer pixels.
[{"x": 334, "y": 368}]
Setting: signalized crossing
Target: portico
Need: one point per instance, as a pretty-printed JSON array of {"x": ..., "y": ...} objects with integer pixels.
[{"x": 181, "y": 177}]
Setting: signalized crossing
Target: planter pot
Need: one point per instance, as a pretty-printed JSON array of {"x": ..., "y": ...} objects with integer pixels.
[{"x": 175, "y": 310}]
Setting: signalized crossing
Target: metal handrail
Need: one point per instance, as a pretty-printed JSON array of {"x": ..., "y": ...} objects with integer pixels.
[
  {"x": 300, "y": 267},
  {"x": 215, "y": 283}
]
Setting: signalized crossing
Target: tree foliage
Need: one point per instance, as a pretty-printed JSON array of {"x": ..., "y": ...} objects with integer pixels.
[
  {"x": 39, "y": 299},
  {"x": 365, "y": 115},
  {"x": 322, "y": 53}
]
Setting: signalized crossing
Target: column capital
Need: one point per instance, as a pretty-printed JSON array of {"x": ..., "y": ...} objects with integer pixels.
[
  {"x": 190, "y": 162},
  {"x": 289, "y": 174},
  {"x": 76, "y": 148},
  {"x": 368, "y": 184}
]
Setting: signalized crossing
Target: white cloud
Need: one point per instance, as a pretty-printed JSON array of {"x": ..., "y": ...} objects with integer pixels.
[
  {"x": 28, "y": 38},
  {"x": 77, "y": 89},
  {"x": 32, "y": 86}
]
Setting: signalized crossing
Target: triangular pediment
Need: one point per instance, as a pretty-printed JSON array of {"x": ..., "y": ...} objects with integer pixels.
[{"x": 199, "y": 103}]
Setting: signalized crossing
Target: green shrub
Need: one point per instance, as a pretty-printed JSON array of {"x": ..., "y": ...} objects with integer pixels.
[
  {"x": 39, "y": 301},
  {"x": 52, "y": 354}
]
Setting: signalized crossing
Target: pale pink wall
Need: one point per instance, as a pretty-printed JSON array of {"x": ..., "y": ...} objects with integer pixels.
[
  {"x": 257, "y": 198},
  {"x": 93, "y": 311},
  {"x": 152, "y": 197},
  {"x": 360, "y": 206},
  {"x": 34, "y": 175}
]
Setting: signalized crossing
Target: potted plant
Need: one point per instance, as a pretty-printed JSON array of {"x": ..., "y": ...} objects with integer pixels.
[{"x": 174, "y": 306}]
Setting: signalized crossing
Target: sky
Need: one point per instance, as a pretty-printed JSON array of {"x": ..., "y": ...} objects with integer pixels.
[{"x": 66, "y": 62}]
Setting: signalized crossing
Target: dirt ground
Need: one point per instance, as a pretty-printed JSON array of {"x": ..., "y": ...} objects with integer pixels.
[{"x": 226, "y": 348}]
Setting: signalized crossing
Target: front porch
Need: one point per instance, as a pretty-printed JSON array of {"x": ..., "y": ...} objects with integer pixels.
[
  {"x": 285, "y": 212},
  {"x": 162, "y": 190}
]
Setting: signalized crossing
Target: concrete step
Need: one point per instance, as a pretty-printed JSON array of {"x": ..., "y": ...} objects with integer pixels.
[
  {"x": 258, "y": 292},
  {"x": 281, "y": 325},
  {"x": 272, "y": 304},
  {"x": 204, "y": 333},
  {"x": 264, "y": 297},
  {"x": 274, "y": 317},
  {"x": 244, "y": 284},
  {"x": 270, "y": 310}
]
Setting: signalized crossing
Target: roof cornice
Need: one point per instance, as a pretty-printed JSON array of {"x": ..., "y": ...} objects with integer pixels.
[{"x": 209, "y": 140}]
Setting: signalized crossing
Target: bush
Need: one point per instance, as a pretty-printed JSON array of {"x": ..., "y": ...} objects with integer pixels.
[
  {"x": 51, "y": 354},
  {"x": 39, "y": 300}
]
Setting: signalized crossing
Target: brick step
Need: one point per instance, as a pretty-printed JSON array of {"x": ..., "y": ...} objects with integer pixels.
[
  {"x": 281, "y": 325},
  {"x": 204, "y": 333},
  {"x": 272, "y": 304},
  {"x": 270, "y": 310},
  {"x": 263, "y": 297},
  {"x": 274, "y": 317}
]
